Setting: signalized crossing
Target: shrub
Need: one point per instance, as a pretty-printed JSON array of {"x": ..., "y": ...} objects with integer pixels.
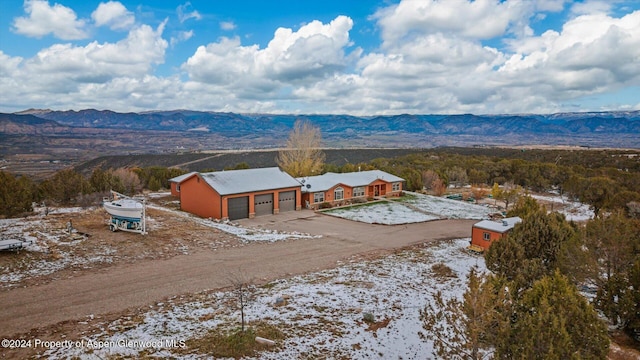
[
  {"x": 326, "y": 205},
  {"x": 368, "y": 317}
]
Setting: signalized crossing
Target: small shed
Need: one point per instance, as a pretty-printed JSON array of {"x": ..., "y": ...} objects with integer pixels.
[{"x": 485, "y": 232}]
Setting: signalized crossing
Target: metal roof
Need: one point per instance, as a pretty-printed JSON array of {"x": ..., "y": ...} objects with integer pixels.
[
  {"x": 354, "y": 179},
  {"x": 249, "y": 180},
  {"x": 499, "y": 226},
  {"x": 179, "y": 179}
]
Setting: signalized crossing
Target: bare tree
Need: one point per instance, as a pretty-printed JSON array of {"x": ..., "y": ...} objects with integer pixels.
[
  {"x": 243, "y": 292},
  {"x": 428, "y": 178},
  {"x": 302, "y": 156},
  {"x": 479, "y": 191},
  {"x": 130, "y": 181},
  {"x": 438, "y": 187}
]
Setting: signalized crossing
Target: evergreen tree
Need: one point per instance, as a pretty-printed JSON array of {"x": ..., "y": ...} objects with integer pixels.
[
  {"x": 465, "y": 329},
  {"x": 154, "y": 184},
  {"x": 553, "y": 321},
  {"x": 64, "y": 187},
  {"x": 613, "y": 242},
  {"x": 16, "y": 195}
]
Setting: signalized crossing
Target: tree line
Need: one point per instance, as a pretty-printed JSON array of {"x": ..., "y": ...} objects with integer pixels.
[
  {"x": 603, "y": 185},
  {"x": 69, "y": 187}
]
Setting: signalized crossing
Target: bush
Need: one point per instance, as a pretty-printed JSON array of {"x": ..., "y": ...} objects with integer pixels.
[
  {"x": 234, "y": 344},
  {"x": 359, "y": 200},
  {"x": 326, "y": 205},
  {"x": 368, "y": 317}
]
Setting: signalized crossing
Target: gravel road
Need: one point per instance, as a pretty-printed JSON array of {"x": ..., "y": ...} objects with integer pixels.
[{"x": 128, "y": 286}]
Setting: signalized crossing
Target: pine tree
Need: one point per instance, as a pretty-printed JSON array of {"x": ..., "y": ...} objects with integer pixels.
[
  {"x": 464, "y": 329},
  {"x": 553, "y": 321},
  {"x": 613, "y": 242},
  {"x": 16, "y": 194}
]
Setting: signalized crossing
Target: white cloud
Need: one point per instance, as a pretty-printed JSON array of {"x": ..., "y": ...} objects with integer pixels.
[
  {"x": 314, "y": 51},
  {"x": 44, "y": 19},
  {"x": 66, "y": 71},
  {"x": 180, "y": 37},
  {"x": 428, "y": 62},
  {"x": 591, "y": 7},
  {"x": 184, "y": 14},
  {"x": 114, "y": 15},
  {"x": 227, "y": 25},
  {"x": 481, "y": 19}
]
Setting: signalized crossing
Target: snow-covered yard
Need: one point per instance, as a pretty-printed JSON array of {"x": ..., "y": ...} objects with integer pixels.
[
  {"x": 387, "y": 213},
  {"x": 419, "y": 208},
  {"x": 50, "y": 245},
  {"x": 322, "y": 315},
  {"x": 572, "y": 210},
  {"x": 415, "y": 208}
]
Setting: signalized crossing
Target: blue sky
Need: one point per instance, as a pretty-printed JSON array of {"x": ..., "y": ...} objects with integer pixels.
[{"x": 350, "y": 57}]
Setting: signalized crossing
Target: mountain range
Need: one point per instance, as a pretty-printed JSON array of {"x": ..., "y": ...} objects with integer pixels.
[{"x": 207, "y": 130}]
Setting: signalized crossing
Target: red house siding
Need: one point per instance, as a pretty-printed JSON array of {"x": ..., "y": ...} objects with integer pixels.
[
  {"x": 376, "y": 188},
  {"x": 197, "y": 197},
  {"x": 174, "y": 189},
  {"x": 477, "y": 237}
]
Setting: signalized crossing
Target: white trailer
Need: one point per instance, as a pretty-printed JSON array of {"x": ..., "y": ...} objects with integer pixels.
[{"x": 14, "y": 244}]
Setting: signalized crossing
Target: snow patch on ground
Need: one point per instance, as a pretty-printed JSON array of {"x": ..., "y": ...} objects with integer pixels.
[
  {"x": 387, "y": 213},
  {"x": 572, "y": 210},
  {"x": 323, "y": 312},
  {"x": 246, "y": 234},
  {"x": 448, "y": 208},
  {"x": 417, "y": 208}
]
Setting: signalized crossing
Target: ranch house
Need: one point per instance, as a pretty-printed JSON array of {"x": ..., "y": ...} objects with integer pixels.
[
  {"x": 485, "y": 232},
  {"x": 343, "y": 188}
]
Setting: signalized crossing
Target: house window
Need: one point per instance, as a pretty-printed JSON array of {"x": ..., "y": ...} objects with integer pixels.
[
  {"x": 318, "y": 197},
  {"x": 396, "y": 186},
  {"x": 486, "y": 236},
  {"x": 178, "y": 187},
  {"x": 338, "y": 193},
  {"x": 358, "y": 191}
]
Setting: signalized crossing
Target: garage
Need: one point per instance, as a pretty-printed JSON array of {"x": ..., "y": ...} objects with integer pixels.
[
  {"x": 287, "y": 201},
  {"x": 238, "y": 208},
  {"x": 238, "y": 194},
  {"x": 263, "y": 204}
]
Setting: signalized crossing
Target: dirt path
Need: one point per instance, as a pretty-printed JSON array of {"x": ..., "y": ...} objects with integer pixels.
[{"x": 133, "y": 285}]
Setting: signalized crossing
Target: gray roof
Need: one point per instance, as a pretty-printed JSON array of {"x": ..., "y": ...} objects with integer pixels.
[
  {"x": 499, "y": 226},
  {"x": 249, "y": 180},
  {"x": 361, "y": 178},
  {"x": 179, "y": 179}
]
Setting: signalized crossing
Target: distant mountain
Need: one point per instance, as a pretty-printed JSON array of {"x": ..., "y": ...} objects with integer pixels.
[
  {"x": 15, "y": 124},
  {"x": 223, "y": 123},
  {"x": 614, "y": 129}
]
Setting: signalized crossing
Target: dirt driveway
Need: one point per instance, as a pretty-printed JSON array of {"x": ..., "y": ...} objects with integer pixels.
[{"x": 129, "y": 286}]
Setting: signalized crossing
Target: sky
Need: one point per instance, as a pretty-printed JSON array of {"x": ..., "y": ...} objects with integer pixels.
[{"x": 358, "y": 57}]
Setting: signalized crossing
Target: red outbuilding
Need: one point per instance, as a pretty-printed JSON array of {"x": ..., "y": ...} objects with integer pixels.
[{"x": 485, "y": 232}]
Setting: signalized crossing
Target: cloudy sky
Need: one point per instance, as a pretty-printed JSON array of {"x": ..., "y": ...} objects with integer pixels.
[{"x": 331, "y": 56}]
